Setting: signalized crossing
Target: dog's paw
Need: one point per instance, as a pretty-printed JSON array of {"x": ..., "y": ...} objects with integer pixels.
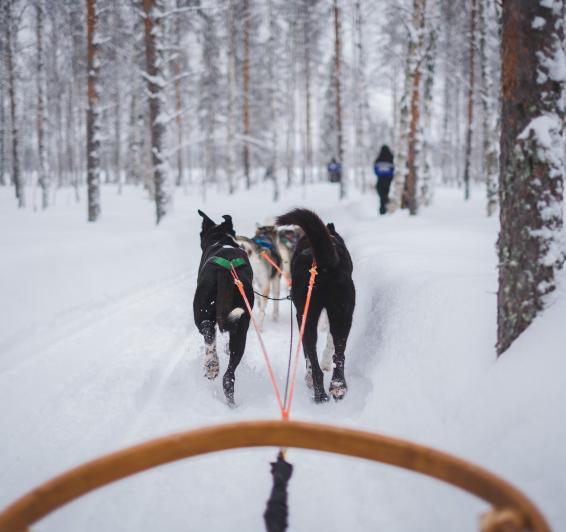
[
  {"x": 321, "y": 397},
  {"x": 228, "y": 385},
  {"x": 211, "y": 368},
  {"x": 338, "y": 389}
]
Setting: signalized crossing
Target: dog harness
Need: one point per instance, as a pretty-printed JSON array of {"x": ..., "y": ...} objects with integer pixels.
[
  {"x": 264, "y": 244},
  {"x": 228, "y": 264}
]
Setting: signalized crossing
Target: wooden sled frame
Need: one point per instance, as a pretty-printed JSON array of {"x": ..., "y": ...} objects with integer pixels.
[{"x": 512, "y": 511}]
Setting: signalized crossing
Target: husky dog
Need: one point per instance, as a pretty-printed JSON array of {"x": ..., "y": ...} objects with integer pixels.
[
  {"x": 333, "y": 291},
  {"x": 266, "y": 278},
  {"x": 217, "y": 299}
]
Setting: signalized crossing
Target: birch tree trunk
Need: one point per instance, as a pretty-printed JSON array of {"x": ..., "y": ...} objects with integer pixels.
[
  {"x": 155, "y": 86},
  {"x": 2, "y": 118},
  {"x": 410, "y": 200},
  {"x": 177, "y": 68},
  {"x": 489, "y": 112},
  {"x": 307, "y": 166},
  {"x": 360, "y": 95},
  {"x": 400, "y": 178},
  {"x": 291, "y": 49},
  {"x": 426, "y": 185},
  {"x": 44, "y": 179},
  {"x": 273, "y": 104},
  {"x": 12, "y": 92},
  {"x": 339, "y": 133},
  {"x": 470, "y": 108},
  {"x": 231, "y": 125},
  {"x": 93, "y": 115},
  {"x": 246, "y": 79},
  {"x": 532, "y": 162}
]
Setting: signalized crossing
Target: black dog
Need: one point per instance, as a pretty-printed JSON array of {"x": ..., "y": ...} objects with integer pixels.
[
  {"x": 218, "y": 300},
  {"x": 333, "y": 290}
]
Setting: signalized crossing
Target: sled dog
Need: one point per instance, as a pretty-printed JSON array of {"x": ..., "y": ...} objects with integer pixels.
[
  {"x": 267, "y": 279},
  {"x": 333, "y": 291},
  {"x": 218, "y": 301}
]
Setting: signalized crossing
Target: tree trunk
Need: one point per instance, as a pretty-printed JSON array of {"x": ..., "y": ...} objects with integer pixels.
[
  {"x": 489, "y": 111},
  {"x": 155, "y": 86},
  {"x": 360, "y": 95},
  {"x": 93, "y": 115},
  {"x": 2, "y": 117},
  {"x": 416, "y": 74},
  {"x": 470, "y": 114},
  {"x": 274, "y": 163},
  {"x": 231, "y": 125},
  {"x": 179, "y": 101},
  {"x": 400, "y": 179},
  {"x": 427, "y": 183},
  {"x": 41, "y": 108},
  {"x": 12, "y": 92},
  {"x": 246, "y": 79},
  {"x": 291, "y": 49},
  {"x": 307, "y": 166},
  {"x": 337, "y": 56},
  {"x": 532, "y": 164}
]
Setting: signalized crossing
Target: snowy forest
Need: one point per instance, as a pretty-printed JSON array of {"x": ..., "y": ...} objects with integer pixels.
[{"x": 122, "y": 121}]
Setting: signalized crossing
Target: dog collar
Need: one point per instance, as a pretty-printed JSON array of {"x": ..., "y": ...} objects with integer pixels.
[{"x": 228, "y": 264}]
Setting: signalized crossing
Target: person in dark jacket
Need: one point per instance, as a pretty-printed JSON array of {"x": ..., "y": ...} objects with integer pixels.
[
  {"x": 334, "y": 171},
  {"x": 384, "y": 170}
]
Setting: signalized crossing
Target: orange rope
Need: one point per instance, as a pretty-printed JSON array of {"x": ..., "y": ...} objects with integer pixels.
[
  {"x": 313, "y": 271},
  {"x": 265, "y": 256},
  {"x": 285, "y": 409},
  {"x": 240, "y": 286}
]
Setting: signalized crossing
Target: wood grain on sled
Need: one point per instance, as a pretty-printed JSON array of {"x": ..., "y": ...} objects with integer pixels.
[{"x": 512, "y": 509}]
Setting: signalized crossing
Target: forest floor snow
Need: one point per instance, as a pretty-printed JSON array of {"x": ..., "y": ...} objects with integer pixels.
[{"x": 98, "y": 350}]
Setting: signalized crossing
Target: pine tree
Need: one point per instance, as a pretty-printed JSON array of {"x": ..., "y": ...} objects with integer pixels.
[
  {"x": 532, "y": 162},
  {"x": 155, "y": 86}
]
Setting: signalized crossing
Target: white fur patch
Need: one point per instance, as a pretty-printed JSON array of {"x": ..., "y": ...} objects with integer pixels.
[{"x": 235, "y": 315}]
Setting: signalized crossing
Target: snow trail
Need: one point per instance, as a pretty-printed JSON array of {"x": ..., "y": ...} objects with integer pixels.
[{"x": 99, "y": 351}]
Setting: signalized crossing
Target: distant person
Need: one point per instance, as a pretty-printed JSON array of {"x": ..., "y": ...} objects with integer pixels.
[
  {"x": 384, "y": 169},
  {"x": 334, "y": 171}
]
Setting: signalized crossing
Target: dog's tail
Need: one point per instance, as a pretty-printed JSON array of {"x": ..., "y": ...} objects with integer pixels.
[
  {"x": 227, "y": 316},
  {"x": 321, "y": 243}
]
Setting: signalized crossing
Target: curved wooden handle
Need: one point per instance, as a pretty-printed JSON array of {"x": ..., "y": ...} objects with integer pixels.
[{"x": 102, "y": 471}]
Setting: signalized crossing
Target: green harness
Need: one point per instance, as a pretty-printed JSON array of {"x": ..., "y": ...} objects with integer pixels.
[{"x": 228, "y": 264}]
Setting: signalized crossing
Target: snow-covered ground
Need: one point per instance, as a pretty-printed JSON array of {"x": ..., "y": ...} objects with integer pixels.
[{"x": 98, "y": 351}]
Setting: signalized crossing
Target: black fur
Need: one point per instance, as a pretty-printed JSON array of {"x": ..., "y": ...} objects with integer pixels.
[
  {"x": 216, "y": 294},
  {"x": 333, "y": 290}
]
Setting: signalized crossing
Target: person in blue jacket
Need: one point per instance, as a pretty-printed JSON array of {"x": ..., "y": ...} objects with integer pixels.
[
  {"x": 384, "y": 170},
  {"x": 334, "y": 171}
]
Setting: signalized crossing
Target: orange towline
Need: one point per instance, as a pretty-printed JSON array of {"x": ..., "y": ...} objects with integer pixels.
[{"x": 265, "y": 256}]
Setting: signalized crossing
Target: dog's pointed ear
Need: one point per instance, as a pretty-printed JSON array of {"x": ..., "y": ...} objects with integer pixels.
[
  {"x": 206, "y": 221},
  {"x": 228, "y": 224},
  {"x": 331, "y": 228}
]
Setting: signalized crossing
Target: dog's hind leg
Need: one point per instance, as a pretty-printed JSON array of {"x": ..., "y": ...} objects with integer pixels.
[
  {"x": 211, "y": 364},
  {"x": 237, "y": 345},
  {"x": 275, "y": 291},
  {"x": 340, "y": 321},
  {"x": 314, "y": 373}
]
